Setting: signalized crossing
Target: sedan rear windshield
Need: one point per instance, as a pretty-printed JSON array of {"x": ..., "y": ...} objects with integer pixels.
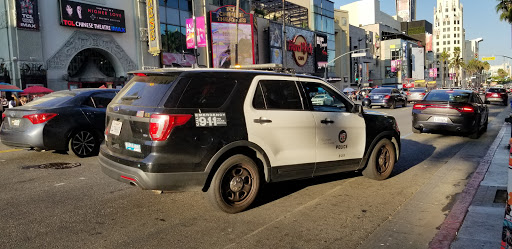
[
  {"x": 381, "y": 90},
  {"x": 450, "y": 96},
  {"x": 417, "y": 90},
  {"x": 52, "y": 100},
  {"x": 146, "y": 90},
  {"x": 496, "y": 90}
]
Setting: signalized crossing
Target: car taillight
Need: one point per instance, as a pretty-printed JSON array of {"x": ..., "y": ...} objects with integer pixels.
[
  {"x": 419, "y": 107},
  {"x": 422, "y": 94},
  {"x": 161, "y": 125},
  {"x": 3, "y": 116},
  {"x": 387, "y": 97},
  {"x": 40, "y": 117},
  {"x": 466, "y": 109}
]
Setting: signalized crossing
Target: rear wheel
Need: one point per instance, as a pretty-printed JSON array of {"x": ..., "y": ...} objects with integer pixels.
[
  {"x": 393, "y": 105},
  {"x": 381, "y": 161},
  {"x": 235, "y": 184},
  {"x": 84, "y": 143},
  {"x": 476, "y": 133}
]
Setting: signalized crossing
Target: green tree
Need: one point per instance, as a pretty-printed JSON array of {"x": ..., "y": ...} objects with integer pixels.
[
  {"x": 504, "y": 9},
  {"x": 443, "y": 57},
  {"x": 456, "y": 64},
  {"x": 502, "y": 73}
]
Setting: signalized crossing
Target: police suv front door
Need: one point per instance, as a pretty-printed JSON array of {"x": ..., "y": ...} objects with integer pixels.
[
  {"x": 340, "y": 134},
  {"x": 278, "y": 122}
]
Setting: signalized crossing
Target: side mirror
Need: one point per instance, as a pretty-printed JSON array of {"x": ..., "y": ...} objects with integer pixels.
[{"x": 357, "y": 109}]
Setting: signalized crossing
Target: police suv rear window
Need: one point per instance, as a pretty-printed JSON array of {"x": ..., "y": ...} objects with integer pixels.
[
  {"x": 146, "y": 90},
  {"x": 206, "y": 93}
]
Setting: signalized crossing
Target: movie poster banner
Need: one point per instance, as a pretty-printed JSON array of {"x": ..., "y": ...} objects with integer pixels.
[
  {"x": 190, "y": 39},
  {"x": 88, "y": 16},
  {"x": 201, "y": 31},
  {"x": 224, "y": 37},
  {"x": 27, "y": 14},
  {"x": 321, "y": 52}
]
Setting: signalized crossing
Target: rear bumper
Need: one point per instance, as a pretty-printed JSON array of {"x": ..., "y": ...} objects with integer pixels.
[
  {"x": 184, "y": 181},
  {"x": 383, "y": 103},
  {"x": 455, "y": 124},
  {"x": 32, "y": 137},
  {"x": 496, "y": 100}
]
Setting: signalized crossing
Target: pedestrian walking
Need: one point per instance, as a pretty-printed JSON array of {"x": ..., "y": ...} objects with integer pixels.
[{"x": 23, "y": 100}]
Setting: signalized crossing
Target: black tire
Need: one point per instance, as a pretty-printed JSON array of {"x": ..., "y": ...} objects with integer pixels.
[
  {"x": 476, "y": 133},
  {"x": 405, "y": 104},
  {"x": 235, "y": 185},
  {"x": 393, "y": 105},
  {"x": 381, "y": 161},
  {"x": 84, "y": 143},
  {"x": 484, "y": 129},
  {"x": 417, "y": 131}
]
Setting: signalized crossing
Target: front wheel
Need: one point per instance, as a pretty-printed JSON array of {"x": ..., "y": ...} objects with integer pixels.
[
  {"x": 235, "y": 184},
  {"x": 393, "y": 105},
  {"x": 84, "y": 143},
  {"x": 381, "y": 161}
]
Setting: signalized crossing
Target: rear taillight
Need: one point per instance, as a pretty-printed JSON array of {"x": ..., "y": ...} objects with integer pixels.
[
  {"x": 161, "y": 125},
  {"x": 466, "y": 109},
  {"x": 419, "y": 107},
  {"x": 422, "y": 94},
  {"x": 3, "y": 116},
  {"x": 40, "y": 117},
  {"x": 387, "y": 97}
]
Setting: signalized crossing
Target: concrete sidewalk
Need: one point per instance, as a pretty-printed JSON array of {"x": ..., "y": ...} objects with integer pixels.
[{"x": 482, "y": 226}]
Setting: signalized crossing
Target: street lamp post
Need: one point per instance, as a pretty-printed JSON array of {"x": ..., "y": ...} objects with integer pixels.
[{"x": 325, "y": 71}]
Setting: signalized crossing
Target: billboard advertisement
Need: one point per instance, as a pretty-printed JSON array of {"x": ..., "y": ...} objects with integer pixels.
[
  {"x": 428, "y": 46},
  {"x": 201, "y": 31},
  {"x": 27, "y": 14},
  {"x": 321, "y": 53},
  {"x": 403, "y": 9},
  {"x": 223, "y": 28},
  {"x": 189, "y": 40},
  {"x": 300, "y": 52},
  {"x": 418, "y": 63},
  {"x": 88, "y": 16}
]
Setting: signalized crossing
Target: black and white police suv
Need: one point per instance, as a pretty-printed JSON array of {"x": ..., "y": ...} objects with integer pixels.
[{"x": 228, "y": 131}]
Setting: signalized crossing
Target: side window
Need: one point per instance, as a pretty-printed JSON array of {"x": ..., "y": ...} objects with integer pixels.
[
  {"x": 478, "y": 99},
  {"x": 278, "y": 94},
  {"x": 101, "y": 100},
  {"x": 324, "y": 99},
  {"x": 206, "y": 93},
  {"x": 395, "y": 91}
]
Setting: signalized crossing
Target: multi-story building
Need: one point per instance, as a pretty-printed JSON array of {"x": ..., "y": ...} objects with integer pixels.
[
  {"x": 342, "y": 64},
  {"x": 472, "y": 48},
  {"x": 406, "y": 9},
  {"x": 448, "y": 29}
]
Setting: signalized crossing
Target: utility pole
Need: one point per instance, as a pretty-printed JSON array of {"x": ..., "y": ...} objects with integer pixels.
[
  {"x": 236, "y": 44},
  {"x": 350, "y": 52}
]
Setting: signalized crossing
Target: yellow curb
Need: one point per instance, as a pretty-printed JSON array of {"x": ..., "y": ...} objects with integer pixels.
[{"x": 13, "y": 150}]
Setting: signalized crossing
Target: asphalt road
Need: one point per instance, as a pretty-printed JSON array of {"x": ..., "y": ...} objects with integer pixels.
[{"x": 81, "y": 207}]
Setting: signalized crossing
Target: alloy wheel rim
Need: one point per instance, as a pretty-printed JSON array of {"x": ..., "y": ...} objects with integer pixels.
[
  {"x": 236, "y": 185},
  {"x": 384, "y": 159},
  {"x": 83, "y": 143}
]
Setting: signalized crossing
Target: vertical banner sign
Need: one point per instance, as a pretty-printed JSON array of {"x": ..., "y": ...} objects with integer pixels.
[
  {"x": 27, "y": 14},
  {"x": 393, "y": 66},
  {"x": 154, "y": 37},
  {"x": 321, "y": 53},
  {"x": 190, "y": 39},
  {"x": 418, "y": 63},
  {"x": 201, "y": 31},
  {"x": 428, "y": 46}
]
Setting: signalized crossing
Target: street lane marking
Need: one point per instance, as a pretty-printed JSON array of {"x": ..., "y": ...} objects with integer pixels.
[
  {"x": 58, "y": 184},
  {"x": 13, "y": 150}
]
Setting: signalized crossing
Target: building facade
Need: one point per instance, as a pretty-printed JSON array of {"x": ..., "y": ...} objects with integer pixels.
[
  {"x": 342, "y": 64},
  {"x": 448, "y": 30}
]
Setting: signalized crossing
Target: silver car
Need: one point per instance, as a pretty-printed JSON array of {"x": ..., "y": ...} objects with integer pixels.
[{"x": 416, "y": 94}]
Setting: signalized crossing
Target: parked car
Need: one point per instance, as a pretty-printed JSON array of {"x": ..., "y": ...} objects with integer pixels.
[
  {"x": 416, "y": 94},
  {"x": 386, "y": 97},
  {"x": 322, "y": 99},
  {"x": 451, "y": 110},
  {"x": 71, "y": 120},
  {"x": 496, "y": 95},
  {"x": 226, "y": 132}
]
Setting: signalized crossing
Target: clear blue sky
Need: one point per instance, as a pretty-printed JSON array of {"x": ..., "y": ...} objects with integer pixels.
[{"x": 480, "y": 20}]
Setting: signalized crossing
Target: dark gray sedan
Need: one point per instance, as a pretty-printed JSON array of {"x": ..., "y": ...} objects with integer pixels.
[{"x": 64, "y": 120}]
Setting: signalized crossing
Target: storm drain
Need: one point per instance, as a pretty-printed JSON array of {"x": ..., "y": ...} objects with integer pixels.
[{"x": 52, "y": 166}]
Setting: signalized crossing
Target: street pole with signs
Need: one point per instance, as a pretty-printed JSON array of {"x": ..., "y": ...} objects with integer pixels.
[{"x": 350, "y": 52}]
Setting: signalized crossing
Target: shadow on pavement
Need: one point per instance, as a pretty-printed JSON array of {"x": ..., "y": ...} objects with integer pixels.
[{"x": 409, "y": 158}]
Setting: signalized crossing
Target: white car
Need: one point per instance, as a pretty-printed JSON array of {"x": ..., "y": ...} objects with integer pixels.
[{"x": 322, "y": 99}]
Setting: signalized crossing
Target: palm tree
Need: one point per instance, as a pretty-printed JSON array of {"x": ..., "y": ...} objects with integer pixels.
[
  {"x": 443, "y": 57},
  {"x": 456, "y": 63},
  {"x": 504, "y": 8}
]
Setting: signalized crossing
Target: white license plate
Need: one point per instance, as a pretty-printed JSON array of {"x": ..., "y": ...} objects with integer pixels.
[
  {"x": 15, "y": 122},
  {"x": 375, "y": 97},
  {"x": 132, "y": 146},
  {"x": 115, "y": 127},
  {"x": 441, "y": 119}
]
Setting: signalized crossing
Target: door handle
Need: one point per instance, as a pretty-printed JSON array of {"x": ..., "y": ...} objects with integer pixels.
[
  {"x": 326, "y": 121},
  {"x": 262, "y": 120}
]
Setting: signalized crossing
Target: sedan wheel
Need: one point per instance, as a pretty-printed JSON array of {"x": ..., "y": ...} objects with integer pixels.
[{"x": 84, "y": 144}]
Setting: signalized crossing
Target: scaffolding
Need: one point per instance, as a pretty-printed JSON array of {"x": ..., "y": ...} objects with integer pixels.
[{"x": 295, "y": 15}]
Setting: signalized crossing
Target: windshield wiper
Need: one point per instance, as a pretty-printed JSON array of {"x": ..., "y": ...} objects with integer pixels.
[{"x": 130, "y": 97}]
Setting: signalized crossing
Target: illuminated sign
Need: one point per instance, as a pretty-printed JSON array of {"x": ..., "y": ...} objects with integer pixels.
[
  {"x": 81, "y": 15},
  {"x": 155, "y": 45},
  {"x": 27, "y": 14},
  {"x": 300, "y": 48}
]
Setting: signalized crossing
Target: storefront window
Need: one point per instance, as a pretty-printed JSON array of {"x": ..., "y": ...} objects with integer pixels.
[{"x": 173, "y": 16}]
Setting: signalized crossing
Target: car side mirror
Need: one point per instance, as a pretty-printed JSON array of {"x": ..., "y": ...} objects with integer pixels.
[{"x": 357, "y": 109}]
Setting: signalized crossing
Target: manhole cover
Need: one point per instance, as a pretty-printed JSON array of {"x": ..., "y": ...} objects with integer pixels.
[{"x": 52, "y": 166}]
